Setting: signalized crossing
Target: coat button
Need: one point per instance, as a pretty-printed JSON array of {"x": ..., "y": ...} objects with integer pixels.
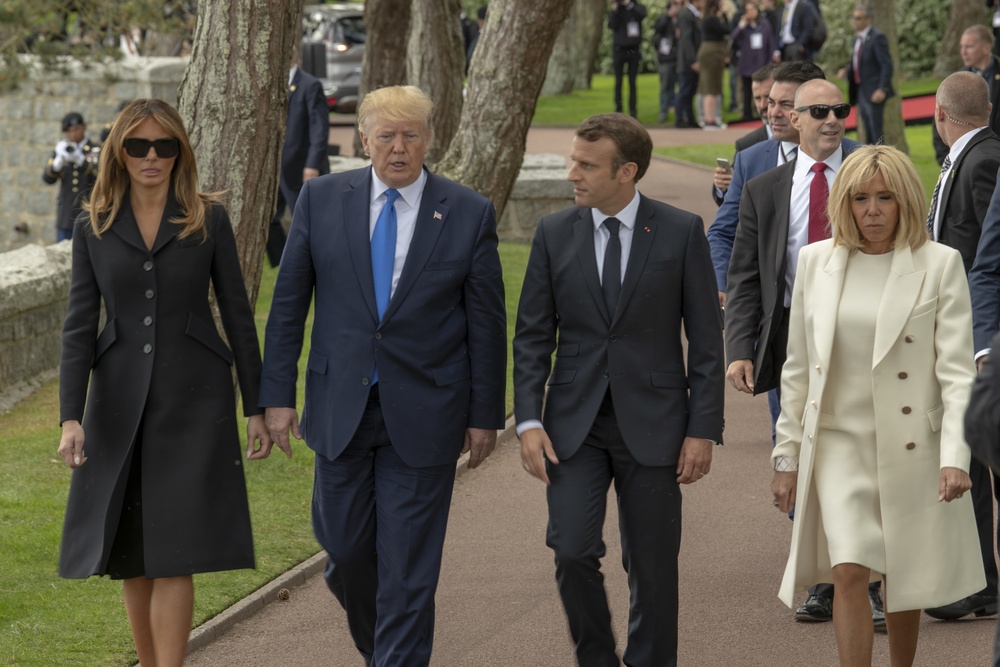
[
  {"x": 147, "y": 348},
  {"x": 903, "y": 376},
  {"x": 365, "y": 381},
  {"x": 76, "y": 189},
  {"x": 906, "y": 410},
  {"x": 378, "y": 335},
  {"x": 911, "y": 445},
  {"x": 909, "y": 338},
  {"x": 812, "y": 403},
  {"x": 614, "y": 338},
  {"x": 818, "y": 369},
  {"x": 147, "y": 265},
  {"x": 76, "y": 181},
  {"x": 147, "y": 320},
  {"x": 149, "y": 294}
]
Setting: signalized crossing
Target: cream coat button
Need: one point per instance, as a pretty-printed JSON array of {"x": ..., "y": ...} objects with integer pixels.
[
  {"x": 911, "y": 445},
  {"x": 907, "y": 410},
  {"x": 909, "y": 338}
]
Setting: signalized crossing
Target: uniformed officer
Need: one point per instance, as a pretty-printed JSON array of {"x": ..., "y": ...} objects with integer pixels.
[{"x": 74, "y": 165}]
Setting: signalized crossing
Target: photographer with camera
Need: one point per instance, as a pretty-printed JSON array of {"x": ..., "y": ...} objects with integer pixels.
[{"x": 73, "y": 165}]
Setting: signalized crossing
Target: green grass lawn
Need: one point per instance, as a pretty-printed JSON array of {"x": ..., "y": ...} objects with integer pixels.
[
  {"x": 571, "y": 109},
  {"x": 45, "y": 620}
]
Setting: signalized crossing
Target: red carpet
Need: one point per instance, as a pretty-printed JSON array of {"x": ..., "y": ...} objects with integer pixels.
[{"x": 916, "y": 110}]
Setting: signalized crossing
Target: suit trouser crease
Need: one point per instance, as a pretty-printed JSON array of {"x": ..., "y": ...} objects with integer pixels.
[
  {"x": 649, "y": 507},
  {"x": 382, "y": 523}
]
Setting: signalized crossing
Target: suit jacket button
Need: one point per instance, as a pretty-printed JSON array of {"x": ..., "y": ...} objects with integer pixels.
[
  {"x": 147, "y": 320},
  {"x": 147, "y": 265},
  {"x": 364, "y": 381},
  {"x": 903, "y": 376},
  {"x": 911, "y": 445},
  {"x": 149, "y": 294},
  {"x": 907, "y": 410},
  {"x": 909, "y": 338},
  {"x": 147, "y": 348},
  {"x": 378, "y": 335},
  {"x": 614, "y": 338}
]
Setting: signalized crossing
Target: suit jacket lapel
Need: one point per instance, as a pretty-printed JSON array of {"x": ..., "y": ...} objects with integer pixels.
[
  {"x": 583, "y": 239},
  {"x": 127, "y": 229},
  {"x": 431, "y": 219},
  {"x": 782, "y": 193},
  {"x": 356, "y": 213},
  {"x": 901, "y": 291},
  {"x": 168, "y": 230},
  {"x": 950, "y": 180},
  {"x": 825, "y": 302},
  {"x": 642, "y": 241}
]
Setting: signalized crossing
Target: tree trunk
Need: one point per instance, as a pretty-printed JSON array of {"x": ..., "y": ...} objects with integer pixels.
[
  {"x": 387, "y": 26},
  {"x": 504, "y": 83},
  {"x": 572, "y": 63},
  {"x": 893, "y": 128},
  {"x": 964, "y": 13},
  {"x": 234, "y": 100},
  {"x": 436, "y": 65}
]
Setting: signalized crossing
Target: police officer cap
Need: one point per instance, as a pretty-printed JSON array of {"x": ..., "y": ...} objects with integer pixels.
[{"x": 71, "y": 119}]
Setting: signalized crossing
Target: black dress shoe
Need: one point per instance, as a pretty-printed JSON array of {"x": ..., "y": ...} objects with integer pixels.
[
  {"x": 980, "y": 605},
  {"x": 878, "y": 612},
  {"x": 817, "y": 609}
]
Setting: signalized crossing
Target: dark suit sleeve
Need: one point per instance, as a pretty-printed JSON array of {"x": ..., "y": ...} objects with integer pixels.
[
  {"x": 743, "y": 297},
  {"x": 234, "y": 308},
  {"x": 982, "y": 418},
  {"x": 79, "y": 334},
  {"x": 293, "y": 292},
  {"x": 984, "y": 278},
  {"x": 319, "y": 128},
  {"x": 722, "y": 231},
  {"x": 50, "y": 175},
  {"x": 535, "y": 332},
  {"x": 881, "y": 46},
  {"x": 485, "y": 311},
  {"x": 703, "y": 330}
]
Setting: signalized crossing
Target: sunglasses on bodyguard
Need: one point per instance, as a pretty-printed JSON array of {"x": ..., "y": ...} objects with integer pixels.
[
  {"x": 165, "y": 148},
  {"x": 821, "y": 111}
]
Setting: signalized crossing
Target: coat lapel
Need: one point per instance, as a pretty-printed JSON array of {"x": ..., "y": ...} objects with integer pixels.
[
  {"x": 127, "y": 229},
  {"x": 167, "y": 230},
  {"x": 642, "y": 241},
  {"x": 825, "y": 302},
  {"x": 782, "y": 193},
  {"x": 431, "y": 219},
  {"x": 950, "y": 180},
  {"x": 583, "y": 239},
  {"x": 356, "y": 212},
  {"x": 901, "y": 291}
]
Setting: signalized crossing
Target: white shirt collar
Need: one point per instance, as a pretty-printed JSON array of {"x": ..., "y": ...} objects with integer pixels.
[
  {"x": 864, "y": 33},
  {"x": 962, "y": 142},
  {"x": 291, "y": 74},
  {"x": 805, "y": 162},
  {"x": 626, "y": 216},
  {"x": 409, "y": 194}
]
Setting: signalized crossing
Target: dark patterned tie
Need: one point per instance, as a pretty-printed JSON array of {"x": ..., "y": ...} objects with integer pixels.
[
  {"x": 611, "y": 276},
  {"x": 937, "y": 193},
  {"x": 819, "y": 194}
]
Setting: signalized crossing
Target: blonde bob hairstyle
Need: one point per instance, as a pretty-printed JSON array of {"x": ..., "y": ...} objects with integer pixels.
[
  {"x": 395, "y": 104},
  {"x": 111, "y": 188},
  {"x": 902, "y": 182}
]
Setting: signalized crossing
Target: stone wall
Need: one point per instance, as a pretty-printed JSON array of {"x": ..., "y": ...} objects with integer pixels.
[
  {"x": 29, "y": 129},
  {"x": 34, "y": 282}
]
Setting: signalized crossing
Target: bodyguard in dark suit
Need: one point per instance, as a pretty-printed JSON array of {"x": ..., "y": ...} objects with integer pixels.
[
  {"x": 688, "y": 42},
  {"x": 799, "y": 19},
  {"x": 304, "y": 156},
  {"x": 869, "y": 76},
  {"x": 959, "y": 204},
  {"x": 405, "y": 372},
  {"x": 775, "y": 222},
  {"x": 976, "y": 49},
  {"x": 608, "y": 287},
  {"x": 625, "y": 23}
]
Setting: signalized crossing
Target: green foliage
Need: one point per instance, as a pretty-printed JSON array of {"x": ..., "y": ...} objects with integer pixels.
[
  {"x": 45, "y": 620},
  {"x": 919, "y": 26},
  {"x": 60, "y": 32}
]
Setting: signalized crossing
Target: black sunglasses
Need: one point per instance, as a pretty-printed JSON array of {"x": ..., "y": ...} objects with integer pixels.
[
  {"x": 165, "y": 148},
  {"x": 821, "y": 111}
]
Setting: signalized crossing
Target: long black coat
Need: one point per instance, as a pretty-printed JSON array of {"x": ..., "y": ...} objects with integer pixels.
[{"x": 158, "y": 371}]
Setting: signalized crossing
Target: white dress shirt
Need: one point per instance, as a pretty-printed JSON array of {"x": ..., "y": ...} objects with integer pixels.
[
  {"x": 407, "y": 205},
  {"x": 798, "y": 218}
]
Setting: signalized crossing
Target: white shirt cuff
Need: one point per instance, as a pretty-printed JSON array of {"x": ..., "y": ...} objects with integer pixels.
[
  {"x": 527, "y": 426},
  {"x": 982, "y": 353},
  {"x": 786, "y": 464}
]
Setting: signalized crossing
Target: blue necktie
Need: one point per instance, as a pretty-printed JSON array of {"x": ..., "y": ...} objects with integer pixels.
[{"x": 384, "y": 255}]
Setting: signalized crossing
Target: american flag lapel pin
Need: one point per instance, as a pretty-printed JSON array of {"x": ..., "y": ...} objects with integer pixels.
[{"x": 437, "y": 215}]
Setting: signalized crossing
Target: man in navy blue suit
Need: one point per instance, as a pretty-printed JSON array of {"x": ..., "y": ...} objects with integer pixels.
[
  {"x": 406, "y": 370},
  {"x": 869, "y": 76},
  {"x": 304, "y": 156}
]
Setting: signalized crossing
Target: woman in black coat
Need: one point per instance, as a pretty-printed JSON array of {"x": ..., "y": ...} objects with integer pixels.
[{"x": 158, "y": 493}]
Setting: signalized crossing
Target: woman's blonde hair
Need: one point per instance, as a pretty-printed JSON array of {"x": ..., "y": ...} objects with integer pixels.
[
  {"x": 901, "y": 180},
  {"x": 105, "y": 202}
]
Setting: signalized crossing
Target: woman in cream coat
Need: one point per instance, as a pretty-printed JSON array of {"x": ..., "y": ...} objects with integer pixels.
[{"x": 870, "y": 448}]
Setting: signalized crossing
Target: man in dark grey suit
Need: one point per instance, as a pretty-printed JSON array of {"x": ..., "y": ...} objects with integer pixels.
[
  {"x": 773, "y": 226},
  {"x": 609, "y": 285},
  {"x": 688, "y": 42},
  {"x": 960, "y": 203}
]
